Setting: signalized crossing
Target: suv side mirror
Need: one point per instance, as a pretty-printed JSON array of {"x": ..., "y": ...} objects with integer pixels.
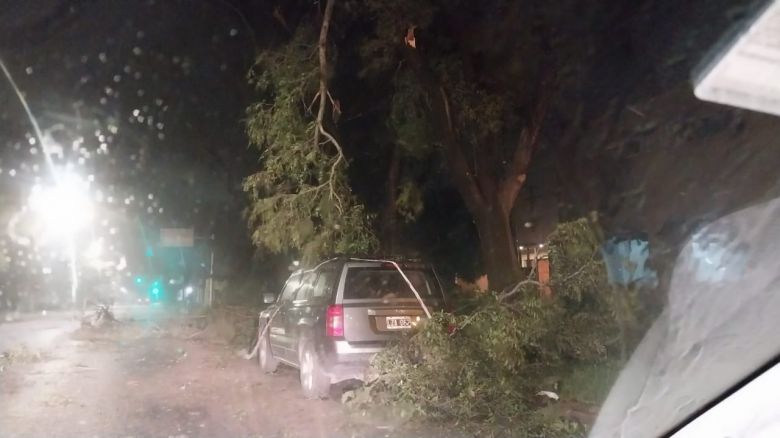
[{"x": 269, "y": 298}]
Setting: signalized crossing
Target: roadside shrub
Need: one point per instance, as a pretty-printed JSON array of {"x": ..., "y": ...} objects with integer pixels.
[{"x": 483, "y": 371}]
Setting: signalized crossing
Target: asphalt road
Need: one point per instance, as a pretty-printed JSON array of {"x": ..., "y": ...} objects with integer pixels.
[
  {"x": 36, "y": 331},
  {"x": 148, "y": 376},
  {"x": 40, "y": 331}
]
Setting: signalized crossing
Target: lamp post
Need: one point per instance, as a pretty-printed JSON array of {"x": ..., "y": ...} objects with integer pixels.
[
  {"x": 209, "y": 295},
  {"x": 186, "y": 238},
  {"x": 62, "y": 210}
]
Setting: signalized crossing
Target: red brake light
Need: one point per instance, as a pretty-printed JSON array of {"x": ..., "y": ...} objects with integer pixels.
[{"x": 334, "y": 323}]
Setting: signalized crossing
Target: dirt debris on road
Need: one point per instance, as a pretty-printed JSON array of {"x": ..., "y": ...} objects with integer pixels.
[{"x": 153, "y": 379}]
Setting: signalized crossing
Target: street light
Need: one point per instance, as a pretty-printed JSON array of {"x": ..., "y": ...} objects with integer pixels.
[
  {"x": 63, "y": 208},
  {"x": 94, "y": 251}
]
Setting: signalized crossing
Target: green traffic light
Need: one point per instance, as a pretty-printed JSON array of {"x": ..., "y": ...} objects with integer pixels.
[
  {"x": 155, "y": 290},
  {"x": 139, "y": 280}
]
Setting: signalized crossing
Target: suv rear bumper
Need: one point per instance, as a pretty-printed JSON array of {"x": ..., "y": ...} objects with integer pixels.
[
  {"x": 354, "y": 349},
  {"x": 349, "y": 361}
]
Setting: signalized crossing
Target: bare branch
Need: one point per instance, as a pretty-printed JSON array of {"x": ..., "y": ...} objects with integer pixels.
[
  {"x": 581, "y": 268},
  {"x": 244, "y": 21},
  {"x": 333, "y": 168},
  {"x": 521, "y": 160},
  {"x": 446, "y": 107},
  {"x": 311, "y": 189},
  {"x": 409, "y": 38},
  {"x": 522, "y": 283},
  {"x": 459, "y": 166},
  {"x": 308, "y": 108},
  {"x": 526, "y": 282},
  {"x": 441, "y": 112},
  {"x": 518, "y": 287},
  {"x": 319, "y": 128},
  {"x": 323, "y": 57},
  {"x": 277, "y": 14}
]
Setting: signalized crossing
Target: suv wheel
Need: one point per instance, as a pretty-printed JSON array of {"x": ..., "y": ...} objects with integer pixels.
[
  {"x": 268, "y": 363},
  {"x": 314, "y": 381}
]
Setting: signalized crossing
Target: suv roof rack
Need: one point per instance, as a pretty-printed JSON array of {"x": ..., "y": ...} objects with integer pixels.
[
  {"x": 344, "y": 258},
  {"x": 390, "y": 258}
]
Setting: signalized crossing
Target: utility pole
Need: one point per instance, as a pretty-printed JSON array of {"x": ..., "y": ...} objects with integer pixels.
[
  {"x": 186, "y": 238},
  {"x": 211, "y": 274},
  {"x": 208, "y": 294}
]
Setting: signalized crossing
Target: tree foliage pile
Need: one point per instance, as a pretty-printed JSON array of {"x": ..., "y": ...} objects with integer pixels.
[{"x": 484, "y": 369}]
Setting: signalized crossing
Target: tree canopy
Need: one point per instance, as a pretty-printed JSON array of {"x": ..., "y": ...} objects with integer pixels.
[
  {"x": 442, "y": 110},
  {"x": 300, "y": 197},
  {"x": 452, "y": 91}
]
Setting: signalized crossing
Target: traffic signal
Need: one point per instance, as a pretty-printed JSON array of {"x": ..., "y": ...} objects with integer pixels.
[{"x": 156, "y": 290}]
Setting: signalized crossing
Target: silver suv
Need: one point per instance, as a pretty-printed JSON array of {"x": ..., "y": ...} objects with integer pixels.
[{"x": 330, "y": 320}]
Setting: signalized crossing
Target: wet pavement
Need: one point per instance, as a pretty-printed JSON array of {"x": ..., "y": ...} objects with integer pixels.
[{"x": 145, "y": 377}]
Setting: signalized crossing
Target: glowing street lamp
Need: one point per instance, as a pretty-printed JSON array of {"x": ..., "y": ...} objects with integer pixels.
[
  {"x": 94, "y": 251},
  {"x": 63, "y": 208}
]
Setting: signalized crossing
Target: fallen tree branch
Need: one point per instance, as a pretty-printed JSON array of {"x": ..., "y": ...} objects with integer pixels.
[
  {"x": 332, "y": 178},
  {"x": 308, "y": 108},
  {"x": 323, "y": 92},
  {"x": 260, "y": 335},
  {"x": 196, "y": 334},
  {"x": 581, "y": 268},
  {"x": 323, "y": 58},
  {"x": 528, "y": 281},
  {"x": 517, "y": 288}
]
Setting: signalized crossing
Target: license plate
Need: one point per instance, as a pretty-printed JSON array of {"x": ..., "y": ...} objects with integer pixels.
[{"x": 398, "y": 322}]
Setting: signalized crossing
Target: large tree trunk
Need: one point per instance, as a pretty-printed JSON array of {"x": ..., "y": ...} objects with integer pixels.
[
  {"x": 488, "y": 197},
  {"x": 389, "y": 212},
  {"x": 497, "y": 246}
]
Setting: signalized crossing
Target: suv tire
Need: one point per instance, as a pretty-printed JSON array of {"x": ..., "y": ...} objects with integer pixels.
[
  {"x": 314, "y": 381},
  {"x": 268, "y": 363}
]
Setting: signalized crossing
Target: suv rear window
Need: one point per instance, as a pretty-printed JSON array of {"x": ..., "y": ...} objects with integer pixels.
[
  {"x": 292, "y": 285},
  {"x": 385, "y": 283},
  {"x": 324, "y": 285}
]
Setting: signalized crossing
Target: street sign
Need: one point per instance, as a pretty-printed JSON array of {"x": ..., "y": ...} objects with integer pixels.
[
  {"x": 177, "y": 237},
  {"x": 745, "y": 71}
]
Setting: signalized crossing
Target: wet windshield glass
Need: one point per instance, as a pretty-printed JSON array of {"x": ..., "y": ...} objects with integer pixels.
[{"x": 195, "y": 195}]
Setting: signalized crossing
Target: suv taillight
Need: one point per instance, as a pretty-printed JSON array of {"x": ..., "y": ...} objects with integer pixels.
[{"x": 334, "y": 323}]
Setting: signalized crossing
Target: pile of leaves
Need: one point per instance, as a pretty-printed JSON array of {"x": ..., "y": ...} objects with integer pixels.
[{"x": 484, "y": 369}]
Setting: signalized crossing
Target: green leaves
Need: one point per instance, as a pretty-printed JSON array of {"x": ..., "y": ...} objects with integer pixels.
[
  {"x": 486, "y": 374},
  {"x": 392, "y": 20},
  {"x": 300, "y": 198},
  {"x": 409, "y": 117},
  {"x": 410, "y": 201}
]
